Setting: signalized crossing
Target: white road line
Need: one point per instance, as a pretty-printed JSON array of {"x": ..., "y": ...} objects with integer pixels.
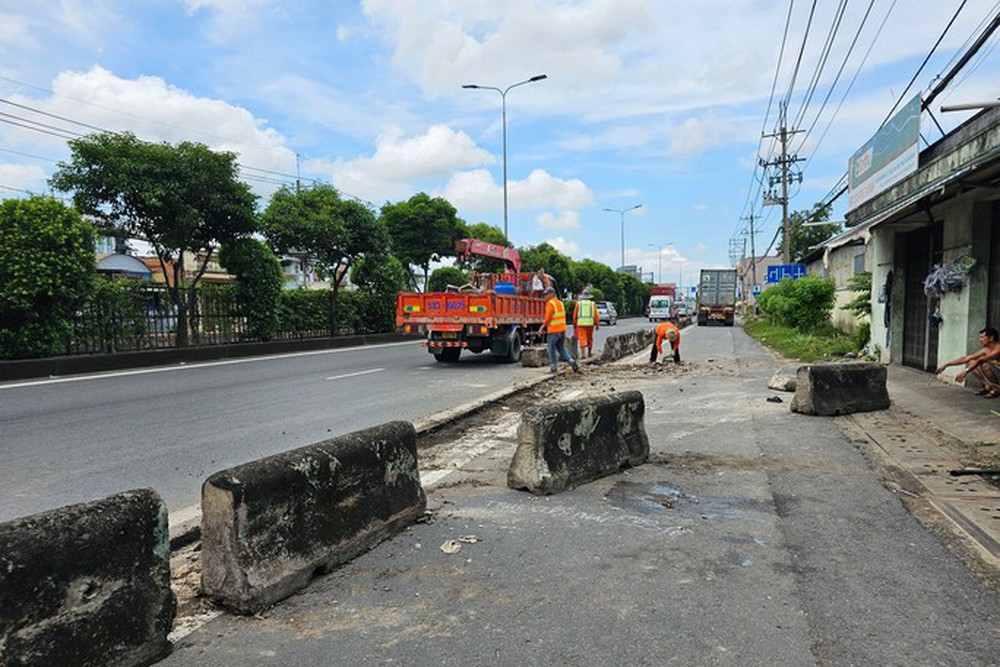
[
  {"x": 351, "y": 375},
  {"x": 185, "y": 367}
]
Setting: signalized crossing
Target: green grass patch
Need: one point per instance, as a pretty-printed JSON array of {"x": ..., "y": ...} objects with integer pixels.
[{"x": 825, "y": 343}]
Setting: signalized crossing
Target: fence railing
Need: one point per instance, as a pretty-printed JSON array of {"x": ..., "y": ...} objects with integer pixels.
[{"x": 142, "y": 317}]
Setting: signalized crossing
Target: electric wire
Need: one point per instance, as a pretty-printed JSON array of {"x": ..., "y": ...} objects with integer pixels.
[
  {"x": 821, "y": 64},
  {"x": 836, "y": 79}
]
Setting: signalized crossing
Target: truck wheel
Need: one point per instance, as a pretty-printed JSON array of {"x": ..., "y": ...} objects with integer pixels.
[
  {"x": 448, "y": 355},
  {"x": 514, "y": 348}
]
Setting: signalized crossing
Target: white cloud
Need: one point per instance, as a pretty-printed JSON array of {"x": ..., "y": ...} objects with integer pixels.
[
  {"x": 400, "y": 162},
  {"x": 565, "y": 220},
  {"x": 477, "y": 191},
  {"x": 23, "y": 176},
  {"x": 564, "y": 245},
  {"x": 154, "y": 111},
  {"x": 698, "y": 134},
  {"x": 541, "y": 189},
  {"x": 700, "y": 207}
]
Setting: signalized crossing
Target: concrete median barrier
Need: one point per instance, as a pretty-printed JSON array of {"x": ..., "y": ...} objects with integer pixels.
[
  {"x": 840, "y": 389},
  {"x": 561, "y": 446},
  {"x": 87, "y": 584},
  {"x": 538, "y": 356},
  {"x": 270, "y": 525},
  {"x": 622, "y": 345}
]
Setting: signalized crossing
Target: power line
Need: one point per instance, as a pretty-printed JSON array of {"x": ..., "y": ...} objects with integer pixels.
[{"x": 821, "y": 64}]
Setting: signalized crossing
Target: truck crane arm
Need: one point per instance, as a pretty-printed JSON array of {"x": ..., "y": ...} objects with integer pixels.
[{"x": 466, "y": 248}]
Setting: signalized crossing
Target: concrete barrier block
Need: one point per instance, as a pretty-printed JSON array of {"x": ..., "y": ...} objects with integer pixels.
[
  {"x": 561, "y": 446},
  {"x": 270, "y": 525},
  {"x": 623, "y": 345},
  {"x": 537, "y": 357},
  {"x": 87, "y": 584},
  {"x": 840, "y": 389}
]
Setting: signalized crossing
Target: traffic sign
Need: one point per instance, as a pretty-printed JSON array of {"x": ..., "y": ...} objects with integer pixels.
[
  {"x": 778, "y": 271},
  {"x": 756, "y": 289}
]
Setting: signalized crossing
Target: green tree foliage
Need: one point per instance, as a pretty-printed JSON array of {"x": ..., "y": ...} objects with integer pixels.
[
  {"x": 804, "y": 304},
  {"x": 634, "y": 295},
  {"x": 601, "y": 278},
  {"x": 861, "y": 284},
  {"x": 259, "y": 280},
  {"x": 556, "y": 264},
  {"x": 335, "y": 232},
  {"x": 490, "y": 234},
  {"x": 379, "y": 280},
  {"x": 804, "y": 238},
  {"x": 423, "y": 230},
  {"x": 114, "y": 317},
  {"x": 444, "y": 276},
  {"x": 181, "y": 199},
  {"x": 47, "y": 266}
]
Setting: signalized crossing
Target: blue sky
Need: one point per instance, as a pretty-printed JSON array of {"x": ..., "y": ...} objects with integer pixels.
[{"x": 646, "y": 102}]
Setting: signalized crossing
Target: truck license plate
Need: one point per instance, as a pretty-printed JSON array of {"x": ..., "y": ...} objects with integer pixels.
[{"x": 449, "y": 334}]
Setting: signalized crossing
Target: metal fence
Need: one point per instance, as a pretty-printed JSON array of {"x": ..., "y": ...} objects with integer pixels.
[{"x": 143, "y": 317}]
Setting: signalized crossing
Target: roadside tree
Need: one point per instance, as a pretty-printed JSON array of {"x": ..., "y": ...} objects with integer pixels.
[
  {"x": 379, "y": 280},
  {"x": 803, "y": 237},
  {"x": 490, "y": 234},
  {"x": 47, "y": 268},
  {"x": 180, "y": 199},
  {"x": 601, "y": 278},
  {"x": 446, "y": 275},
  {"x": 335, "y": 232},
  {"x": 423, "y": 230},
  {"x": 259, "y": 280},
  {"x": 556, "y": 264}
]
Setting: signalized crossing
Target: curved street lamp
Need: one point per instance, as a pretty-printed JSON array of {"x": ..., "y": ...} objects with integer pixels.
[
  {"x": 503, "y": 119},
  {"x": 622, "y": 212}
]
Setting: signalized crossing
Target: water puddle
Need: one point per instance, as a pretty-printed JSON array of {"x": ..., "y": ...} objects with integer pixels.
[{"x": 661, "y": 497}]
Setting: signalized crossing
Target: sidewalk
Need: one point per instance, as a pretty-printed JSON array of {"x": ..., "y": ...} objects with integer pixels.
[{"x": 752, "y": 536}]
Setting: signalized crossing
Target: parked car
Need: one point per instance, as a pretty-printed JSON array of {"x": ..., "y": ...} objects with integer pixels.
[
  {"x": 683, "y": 314},
  {"x": 606, "y": 312}
]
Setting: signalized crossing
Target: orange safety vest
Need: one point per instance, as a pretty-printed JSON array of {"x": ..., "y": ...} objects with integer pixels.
[
  {"x": 555, "y": 316},
  {"x": 661, "y": 335}
]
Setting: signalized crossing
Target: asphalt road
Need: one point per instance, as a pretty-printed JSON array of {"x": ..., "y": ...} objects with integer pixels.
[
  {"x": 74, "y": 439},
  {"x": 753, "y": 536}
]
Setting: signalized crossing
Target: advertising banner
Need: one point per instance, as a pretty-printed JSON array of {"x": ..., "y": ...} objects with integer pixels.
[{"x": 886, "y": 158}]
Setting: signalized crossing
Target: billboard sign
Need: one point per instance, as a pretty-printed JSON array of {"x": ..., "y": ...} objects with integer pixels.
[{"x": 886, "y": 158}]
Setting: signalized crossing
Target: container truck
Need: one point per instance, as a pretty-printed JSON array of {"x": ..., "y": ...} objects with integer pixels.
[{"x": 717, "y": 296}]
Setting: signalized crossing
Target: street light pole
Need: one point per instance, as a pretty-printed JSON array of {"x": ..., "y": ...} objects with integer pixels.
[
  {"x": 503, "y": 122},
  {"x": 659, "y": 258},
  {"x": 621, "y": 212}
]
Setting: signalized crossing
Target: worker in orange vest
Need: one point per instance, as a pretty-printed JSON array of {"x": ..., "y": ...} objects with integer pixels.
[
  {"x": 666, "y": 331},
  {"x": 585, "y": 323},
  {"x": 555, "y": 326}
]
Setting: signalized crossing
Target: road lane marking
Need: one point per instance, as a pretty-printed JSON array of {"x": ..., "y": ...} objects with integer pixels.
[
  {"x": 351, "y": 375},
  {"x": 182, "y": 366}
]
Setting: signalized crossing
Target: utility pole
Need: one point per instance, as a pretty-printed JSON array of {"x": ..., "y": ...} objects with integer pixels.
[
  {"x": 784, "y": 162},
  {"x": 753, "y": 250}
]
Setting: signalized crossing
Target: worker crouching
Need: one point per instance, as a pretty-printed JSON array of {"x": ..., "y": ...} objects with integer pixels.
[{"x": 666, "y": 331}]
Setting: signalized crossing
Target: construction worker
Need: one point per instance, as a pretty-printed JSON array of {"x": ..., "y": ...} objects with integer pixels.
[
  {"x": 585, "y": 323},
  {"x": 666, "y": 331},
  {"x": 555, "y": 325}
]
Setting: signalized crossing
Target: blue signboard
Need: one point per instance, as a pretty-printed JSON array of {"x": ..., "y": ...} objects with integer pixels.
[
  {"x": 756, "y": 289},
  {"x": 778, "y": 271}
]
